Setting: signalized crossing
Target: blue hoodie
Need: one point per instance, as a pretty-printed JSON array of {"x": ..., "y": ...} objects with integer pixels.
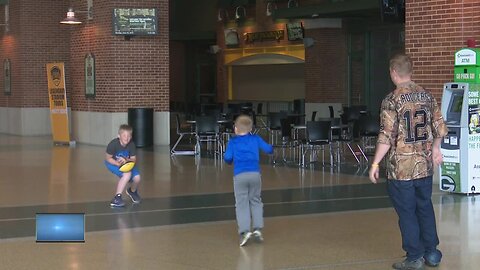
[{"x": 243, "y": 151}]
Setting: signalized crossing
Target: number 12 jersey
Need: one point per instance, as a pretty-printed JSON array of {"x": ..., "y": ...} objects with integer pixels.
[{"x": 410, "y": 119}]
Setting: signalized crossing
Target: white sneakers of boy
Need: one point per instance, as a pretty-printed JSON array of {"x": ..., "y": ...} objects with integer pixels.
[
  {"x": 245, "y": 236},
  {"x": 257, "y": 236}
]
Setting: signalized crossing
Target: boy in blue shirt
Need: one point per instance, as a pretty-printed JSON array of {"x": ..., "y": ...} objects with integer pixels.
[{"x": 243, "y": 151}]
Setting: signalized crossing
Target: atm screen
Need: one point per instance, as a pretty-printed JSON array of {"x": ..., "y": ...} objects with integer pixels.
[
  {"x": 454, "y": 112},
  {"x": 456, "y": 105}
]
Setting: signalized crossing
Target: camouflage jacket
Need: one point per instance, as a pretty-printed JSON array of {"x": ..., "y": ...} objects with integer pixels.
[{"x": 410, "y": 119}]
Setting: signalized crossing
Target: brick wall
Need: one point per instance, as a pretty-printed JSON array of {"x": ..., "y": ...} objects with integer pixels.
[
  {"x": 132, "y": 73},
  {"x": 325, "y": 66},
  {"x": 129, "y": 73},
  {"x": 434, "y": 30},
  {"x": 35, "y": 38}
]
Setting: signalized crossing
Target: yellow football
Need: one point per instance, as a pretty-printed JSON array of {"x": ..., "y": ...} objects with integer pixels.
[{"x": 128, "y": 166}]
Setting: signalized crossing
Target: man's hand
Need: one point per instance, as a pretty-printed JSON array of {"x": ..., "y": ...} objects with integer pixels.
[
  {"x": 380, "y": 151},
  {"x": 437, "y": 156},
  {"x": 373, "y": 173}
]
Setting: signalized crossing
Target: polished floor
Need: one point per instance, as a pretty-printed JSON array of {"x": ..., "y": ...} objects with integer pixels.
[{"x": 315, "y": 218}]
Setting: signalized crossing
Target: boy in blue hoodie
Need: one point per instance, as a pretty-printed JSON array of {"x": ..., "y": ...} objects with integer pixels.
[{"x": 243, "y": 151}]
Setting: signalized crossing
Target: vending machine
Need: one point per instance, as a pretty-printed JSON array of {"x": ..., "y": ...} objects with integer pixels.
[{"x": 460, "y": 171}]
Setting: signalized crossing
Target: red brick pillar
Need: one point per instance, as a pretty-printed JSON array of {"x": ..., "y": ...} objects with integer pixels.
[{"x": 434, "y": 30}]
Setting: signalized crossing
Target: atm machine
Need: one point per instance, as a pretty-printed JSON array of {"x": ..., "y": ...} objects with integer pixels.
[{"x": 460, "y": 171}]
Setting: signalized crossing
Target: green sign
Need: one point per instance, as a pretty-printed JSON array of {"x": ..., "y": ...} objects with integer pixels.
[
  {"x": 467, "y": 65},
  {"x": 450, "y": 177}
]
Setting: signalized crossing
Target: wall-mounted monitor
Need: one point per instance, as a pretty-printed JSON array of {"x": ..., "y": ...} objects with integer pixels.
[
  {"x": 295, "y": 31},
  {"x": 135, "y": 21}
]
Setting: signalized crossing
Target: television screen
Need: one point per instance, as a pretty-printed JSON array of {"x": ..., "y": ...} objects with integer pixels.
[
  {"x": 135, "y": 21},
  {"x": 56, "y": 227},
  {"x": 295, "y": 31}
]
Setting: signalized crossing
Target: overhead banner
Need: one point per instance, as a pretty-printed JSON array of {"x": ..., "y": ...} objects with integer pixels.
[{"x": 58, "y": 102}]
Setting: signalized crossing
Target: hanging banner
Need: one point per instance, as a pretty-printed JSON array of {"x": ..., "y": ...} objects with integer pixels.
[{"x": 58, "y": 102}]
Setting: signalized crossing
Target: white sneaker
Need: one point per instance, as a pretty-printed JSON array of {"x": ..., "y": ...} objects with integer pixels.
[
  {"x": 257, "y": 234},
  {"x": 244, "y": 237}
]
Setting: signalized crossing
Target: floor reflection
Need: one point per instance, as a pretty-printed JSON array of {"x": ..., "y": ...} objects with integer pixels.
[
  {"x": 458, "y": 222},
  {"x": 316, "y": 217},
  {"x": 250, "y": 257}
]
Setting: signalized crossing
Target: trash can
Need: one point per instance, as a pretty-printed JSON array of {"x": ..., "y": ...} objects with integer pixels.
[{"x": 141, "y": 121}]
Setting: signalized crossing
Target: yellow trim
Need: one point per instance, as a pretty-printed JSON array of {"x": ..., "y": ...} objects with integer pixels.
[
  {"x": 297, "y": 51},
  {"x": 230, "y": 83}
]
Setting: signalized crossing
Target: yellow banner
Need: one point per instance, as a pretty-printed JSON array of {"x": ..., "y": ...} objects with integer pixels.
[{"x": 58, "y": 102}]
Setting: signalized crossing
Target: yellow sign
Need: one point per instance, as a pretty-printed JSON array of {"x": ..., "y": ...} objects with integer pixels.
[{"x": 58, "y": 102}]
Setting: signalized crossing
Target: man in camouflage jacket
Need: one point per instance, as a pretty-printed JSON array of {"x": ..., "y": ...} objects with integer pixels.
[{"x": 411, "y": 130}]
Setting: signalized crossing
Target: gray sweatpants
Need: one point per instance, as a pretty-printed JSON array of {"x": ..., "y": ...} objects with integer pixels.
[{"x": 248, "y": 203}]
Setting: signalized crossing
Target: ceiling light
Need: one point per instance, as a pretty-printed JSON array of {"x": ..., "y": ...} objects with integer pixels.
[
  {"x": 270, "y": 7},
  {"x": 7, "y": 19},
  {"x": 222, "y": 15},
  {"x": 240, "y": 13},
  {"x": 71, "y": 19},
  {"x": 292, "y": 3}
]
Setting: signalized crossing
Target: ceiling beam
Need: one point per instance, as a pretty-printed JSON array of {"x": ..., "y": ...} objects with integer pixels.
[{"x": 329, "y": 9}]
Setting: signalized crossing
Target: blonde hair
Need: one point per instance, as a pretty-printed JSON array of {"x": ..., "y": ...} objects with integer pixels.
[
  {"x": 402, "y": 64},
  {"x": 124, "y": 127},
  {"x": 244, "y": 124}
]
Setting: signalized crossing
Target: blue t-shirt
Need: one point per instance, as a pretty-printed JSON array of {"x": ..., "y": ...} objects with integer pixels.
[{"x": 243, "y": 151}]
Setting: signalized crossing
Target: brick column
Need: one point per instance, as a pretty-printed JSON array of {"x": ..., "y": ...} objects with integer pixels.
[
  {"x": 434, "y": 30},
  {"x": 34, "y": 39}
]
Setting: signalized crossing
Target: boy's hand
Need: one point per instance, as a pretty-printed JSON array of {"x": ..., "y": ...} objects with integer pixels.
[{"x": 121, "y": 160}]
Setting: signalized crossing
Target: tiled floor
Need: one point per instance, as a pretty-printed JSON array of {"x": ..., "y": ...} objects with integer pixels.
[{"x": 315, "y": 218}]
